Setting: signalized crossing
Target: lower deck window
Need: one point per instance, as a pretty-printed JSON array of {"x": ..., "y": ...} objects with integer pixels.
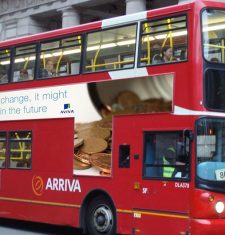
[
  {"x": 166, "y": 155},
  {"x": 2, "y": 149},
  {"x": 20, "y": 146}
]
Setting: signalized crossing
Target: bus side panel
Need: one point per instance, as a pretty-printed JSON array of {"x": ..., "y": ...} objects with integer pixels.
[{"x": 46, "y": 192}]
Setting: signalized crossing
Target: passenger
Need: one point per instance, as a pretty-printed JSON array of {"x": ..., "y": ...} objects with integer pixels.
[
  {"x": 157, "y": 59},
  {"x": 48, "y": 71},
  {"x": 23, "y": 75},
  {"x": 3, "y": 75},
  {"x": 167, "y": 54},
  {"x": 214, "y": 60}
]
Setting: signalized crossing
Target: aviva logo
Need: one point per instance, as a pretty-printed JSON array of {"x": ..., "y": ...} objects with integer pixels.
[{"x": 66, "y": 109}]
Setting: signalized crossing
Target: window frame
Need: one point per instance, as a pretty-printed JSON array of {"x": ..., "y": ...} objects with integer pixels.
[
  {"x": 39, "y": 51},
  {"x": 10, "y": 64},
  {"x": 83, "y": 71},
  {"x": 214, "y": 186},
  {"x": 158, "y": 19},
  {"x": 3, "y": 165},
  {"x": 9, "y": 141},
  {"x": 172, "y": 178},
  {"x": 14, "y": 56}
]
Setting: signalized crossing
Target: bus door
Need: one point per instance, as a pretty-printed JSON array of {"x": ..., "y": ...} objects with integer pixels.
[{"x": 161, "y": 194}]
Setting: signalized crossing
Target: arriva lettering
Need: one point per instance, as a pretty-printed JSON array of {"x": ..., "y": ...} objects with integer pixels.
[
  {"x": 182, "y": 185},
  {"x": 60, "y": 184}
]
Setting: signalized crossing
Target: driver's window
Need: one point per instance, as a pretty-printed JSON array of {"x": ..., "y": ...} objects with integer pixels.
[{"x": 166, "y": 155}]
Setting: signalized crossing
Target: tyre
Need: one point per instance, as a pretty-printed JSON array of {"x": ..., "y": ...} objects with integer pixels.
[{"x": 101, "y": 217}]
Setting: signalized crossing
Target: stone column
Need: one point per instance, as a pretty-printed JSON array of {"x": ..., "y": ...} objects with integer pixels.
[
  {"x": 28, "y": 26},
  {"x": 70, "y": 17},
  {"x": 134, "y": 6}
]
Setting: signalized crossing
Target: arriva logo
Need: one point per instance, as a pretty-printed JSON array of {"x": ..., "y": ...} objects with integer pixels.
[
  {"x": 54, "y": 184},
  {"x": 66, "y": 109},
  {"x": 37, "y": 185},
  {"x": 59, "y": 184}
]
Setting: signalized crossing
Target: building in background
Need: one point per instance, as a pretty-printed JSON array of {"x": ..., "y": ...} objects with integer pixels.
[{"x": 26, "y": 17}]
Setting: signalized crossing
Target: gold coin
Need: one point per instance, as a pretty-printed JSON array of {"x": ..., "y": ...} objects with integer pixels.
[
  {"x": 127, "y": 99},
  {"x": 96, "y": 132},
  {"x": 77, "y": 165},
  {"x": 102, "y": 161},
  {"x": 78, "y": 142},
  {"x": 83, "y": 157},
  {"x": 93, "y": 145},
  {"x": 83, "y": 126},
  {"x": 106, "y": 123}
]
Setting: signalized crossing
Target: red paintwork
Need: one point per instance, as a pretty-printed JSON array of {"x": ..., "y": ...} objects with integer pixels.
[{"x": 53, "y": 153}]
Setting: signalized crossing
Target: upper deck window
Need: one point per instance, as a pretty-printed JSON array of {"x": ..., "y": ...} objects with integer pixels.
[
  {"x": 110, "y": 49},
  {"x": 163, "y": 41},
  {"x": 213, "y": 30},
  {"x": 60, "y": 57},
  {"x": 24, "y": 63},
  {"x": 4, "y": 65}
]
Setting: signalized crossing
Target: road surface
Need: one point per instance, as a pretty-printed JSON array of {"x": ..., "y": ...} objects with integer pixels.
[{"x": 13, "y": 227}]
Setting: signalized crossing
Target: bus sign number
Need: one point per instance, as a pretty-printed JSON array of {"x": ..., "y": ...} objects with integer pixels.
[{"x": 220, "y": 174}]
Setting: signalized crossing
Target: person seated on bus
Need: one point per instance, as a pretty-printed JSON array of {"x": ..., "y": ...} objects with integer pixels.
[
  {"x": 214, "y": 60},
  {"x": 23, "y": 75},
  {"x": 157, "y": 59},
  {"x": 3, "y": 75},
  {"x": 167, "y": 54},
  {"x": 48, "y": 71}
]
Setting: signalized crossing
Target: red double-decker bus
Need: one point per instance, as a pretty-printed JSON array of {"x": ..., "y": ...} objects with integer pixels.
[{"x": 118, "y": 126}]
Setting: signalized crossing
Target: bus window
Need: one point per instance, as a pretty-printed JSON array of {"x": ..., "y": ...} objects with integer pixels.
[
  {"x": 213, "y": 35},
  {"x": 2, "y": 149},
  {"x": 60, "y": 57},
  {"x": 110, "y": 49},
  {"x": 24, "y": 63},
  {"x": 20, "y": 149},
  {"x": 211, "y": 149},
  {"x": 124, "y": 156},
  {"x": 163, "y": 41},
  {"x": 214, "y": 89},
  {"x": 166, "y": 156},
  {"x": 4, "y": 65}
]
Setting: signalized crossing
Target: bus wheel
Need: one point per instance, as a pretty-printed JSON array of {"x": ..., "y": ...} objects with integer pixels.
[{"x": 101, "y": 217}]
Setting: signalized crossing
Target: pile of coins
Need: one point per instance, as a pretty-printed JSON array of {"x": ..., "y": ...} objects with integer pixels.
[
  {"x": 92, "y": 141},
  {"x": 92, "y": 145}
]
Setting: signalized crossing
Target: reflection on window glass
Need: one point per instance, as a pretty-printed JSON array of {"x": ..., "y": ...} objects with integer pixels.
[
  {"x": 60, "y": 57},
  {"x": 211, "y": 149},
  {"x": 124, "y": 156},
  {"x": 215, "y": 89},
  {"x": 163, "y": 41},
  {"x": 2, "y": 149},
  {"x": 166, "y": 155},
  {"x": 24, "y": 62},
  {"x": 213, "y": 29},
  {"x": 20, "y": 148},
  {"x": 110, "y": 49},
  {"x": 4, "y": 65}
]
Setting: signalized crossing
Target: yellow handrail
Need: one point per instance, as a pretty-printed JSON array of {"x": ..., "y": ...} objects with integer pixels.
[{"x": 148, "y": 44}]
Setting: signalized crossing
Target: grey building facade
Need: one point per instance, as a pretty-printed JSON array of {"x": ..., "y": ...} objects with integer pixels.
[{"x": 26, "y": 17}]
